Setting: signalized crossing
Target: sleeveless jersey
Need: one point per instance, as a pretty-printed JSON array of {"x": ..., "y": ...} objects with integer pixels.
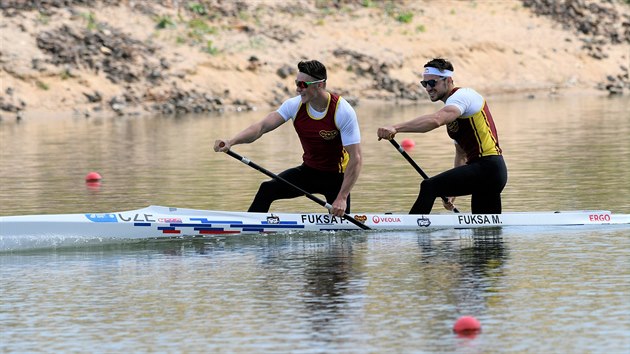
[
  {"x": 475, "y": 133},
  {"x": 321, "y": 139}
]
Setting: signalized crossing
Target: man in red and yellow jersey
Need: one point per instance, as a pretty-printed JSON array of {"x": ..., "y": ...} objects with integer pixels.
[
  {"x": 329, "y": 132},
  {"x": 479, "y": 170}
]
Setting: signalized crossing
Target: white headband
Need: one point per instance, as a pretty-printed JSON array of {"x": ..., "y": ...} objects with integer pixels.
[{"x": 429, "y": 70}]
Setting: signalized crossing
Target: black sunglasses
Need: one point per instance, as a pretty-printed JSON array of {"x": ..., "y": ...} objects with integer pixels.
[
  {"x": 304, "y": 84},
  {"x": 431, "y": 83}
]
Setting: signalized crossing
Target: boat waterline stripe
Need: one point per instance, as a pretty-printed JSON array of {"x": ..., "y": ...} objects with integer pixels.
[
  {"x": 289, "y": 224},
  {"x": 217, "y": 232},
  {"x": 206, "y": 221},
  {"x": 171, "y": 231},
  {"x": 271, "y": 226},
  {"x": 203, "y": 228},
  {"x": 280, "y": 223}
]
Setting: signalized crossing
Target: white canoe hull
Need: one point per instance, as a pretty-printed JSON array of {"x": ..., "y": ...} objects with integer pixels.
[{"x": 159, "y": 222}]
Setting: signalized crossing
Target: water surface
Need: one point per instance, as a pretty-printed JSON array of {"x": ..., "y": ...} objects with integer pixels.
[{"x": 533, "y": 289}]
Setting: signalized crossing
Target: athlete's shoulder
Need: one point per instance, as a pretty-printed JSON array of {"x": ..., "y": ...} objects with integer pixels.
[
  {"x": 466, "y": 92},
  {"x": 345, "y": 105},
  {"x": 289, "y": 107},
  {"x": 465, "y": 96},
  {"x": 345, "y": 110}
]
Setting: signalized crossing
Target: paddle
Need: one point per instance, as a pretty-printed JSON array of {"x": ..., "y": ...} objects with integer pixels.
[
  {"x": 415, "y": 165},
  {"x": 306, "y": 194}
]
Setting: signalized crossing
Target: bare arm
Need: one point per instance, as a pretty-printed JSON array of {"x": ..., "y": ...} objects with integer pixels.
[
  {"x": 422, "y": 124},
  {"x": 251, "y": 133},
  {"x": 349, "y": 179}
]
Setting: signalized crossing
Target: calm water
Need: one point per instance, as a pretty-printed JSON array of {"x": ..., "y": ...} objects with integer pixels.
[{"x": 534, "y": 290}]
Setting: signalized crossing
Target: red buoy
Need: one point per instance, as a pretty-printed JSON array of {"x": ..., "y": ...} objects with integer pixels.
[
  {"x": 467, "y": 325},
  {"x": 93, "y": 177},
  {"x": 407, "y": 144}
]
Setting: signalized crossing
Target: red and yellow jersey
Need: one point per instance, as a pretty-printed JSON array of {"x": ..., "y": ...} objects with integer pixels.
[
  {"x": 321, "y": 138},
  {"x": 474, "y": 130}
]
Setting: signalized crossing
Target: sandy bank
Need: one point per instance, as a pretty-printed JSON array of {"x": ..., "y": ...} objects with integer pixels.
[{"x": 136, "y": 57}]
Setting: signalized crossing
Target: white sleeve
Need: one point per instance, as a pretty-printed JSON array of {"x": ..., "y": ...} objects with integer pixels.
[
  {"x": 289, "y": 108},
  {"x": 467, "y": 100},
  {"x": 347, "y": 123}
]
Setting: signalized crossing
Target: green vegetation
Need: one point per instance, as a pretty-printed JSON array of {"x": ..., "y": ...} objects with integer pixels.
[
  {"x": 405, "y": 17},
  {"x": 65, "y": 74},
  {"x": 197, "y": 8},
  {"x": 421, "y": 29},
  {"x": 243, "y": 15},
  {"x": 327, "y": 11},
  {"x": 210, "y": 48},
  {"x": 368, "y": 3},
  {"x": 42, "y": 85},
  {"x": 164, "y": 22},
  {"x": 258, "y": 13},
  {"x": 402, "y": 16},
  {"x": 43, "y": 18},
  {"x": 198, "y": 28},
  {"x": 256, "y": 42},
  {"x": 91, "y": 20}
]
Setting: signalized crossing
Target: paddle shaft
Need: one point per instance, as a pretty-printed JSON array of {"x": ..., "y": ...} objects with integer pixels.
[
  {"x": 415, "y": 165},
  {"x": 306, "y": 194}
]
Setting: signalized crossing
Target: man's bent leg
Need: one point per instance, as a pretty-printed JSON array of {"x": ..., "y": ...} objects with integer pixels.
[
  {"x": 455, "y": 182},
  {"x": 486, "y": 203},
  {"x": 487, "y": 199},
  {"x": 273, "y": 190},
  {"x": 329, "y": 185},
  {"x": 426, "y": 198}
]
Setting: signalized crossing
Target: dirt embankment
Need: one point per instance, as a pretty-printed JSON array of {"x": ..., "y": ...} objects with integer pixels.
[{"x": 169, "y": 56}]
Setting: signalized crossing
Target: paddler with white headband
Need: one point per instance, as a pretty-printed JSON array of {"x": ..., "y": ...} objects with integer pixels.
[{"x": 479, "y": 168}]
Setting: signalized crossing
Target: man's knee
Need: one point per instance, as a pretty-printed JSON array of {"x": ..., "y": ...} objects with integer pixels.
[
  {"x": 267, "y": 186},
  {"x": 427, "y": 186}
]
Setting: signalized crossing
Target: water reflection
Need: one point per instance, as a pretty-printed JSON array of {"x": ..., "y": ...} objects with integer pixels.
[
  {"x": 329, "y": 279},
  {"x": 330, "y": 292},
  {"x": 331, "y": 285},
  {"x": 472, "y": 266}
]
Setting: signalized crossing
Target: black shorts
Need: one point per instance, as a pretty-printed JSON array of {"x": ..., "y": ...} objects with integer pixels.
[
  {"x": 307, "y": 178},
  {"x": 482, "y": 179}
]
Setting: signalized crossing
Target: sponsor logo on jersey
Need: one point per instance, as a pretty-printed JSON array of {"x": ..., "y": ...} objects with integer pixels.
[{"x": 328, "y": 135}]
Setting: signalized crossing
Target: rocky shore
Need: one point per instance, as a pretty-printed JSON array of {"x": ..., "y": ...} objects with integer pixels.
[
  {"x": 130, "y": 57},
  {"x": 598, "y": 24}
]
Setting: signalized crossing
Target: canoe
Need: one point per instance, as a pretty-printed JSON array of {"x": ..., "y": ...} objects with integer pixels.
[{"x": 160, "y": 221}]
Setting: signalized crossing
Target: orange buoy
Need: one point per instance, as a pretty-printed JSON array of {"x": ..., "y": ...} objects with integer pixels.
[
  {"x": 407, "y": 144},
  {"x": 93, "y": 177},
  {"x": 467, "y": 325}
]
